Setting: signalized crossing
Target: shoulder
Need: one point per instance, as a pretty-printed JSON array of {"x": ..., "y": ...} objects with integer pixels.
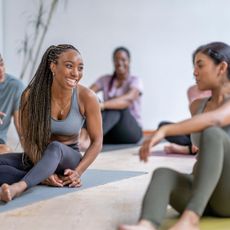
[
  {"x": 195, "y": 105},
  {"x": 14, "y": 82},
  {"x": 133, "y": 78},
  {"x": 135, "y": 82},
  {"x": 85, "y": 93}
]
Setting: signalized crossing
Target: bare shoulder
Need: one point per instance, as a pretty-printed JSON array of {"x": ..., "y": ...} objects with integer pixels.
[
  {"x": 87, "y": 100},
  {"x": 85, "y": 93},
  {"x": 194, "y": 106}
]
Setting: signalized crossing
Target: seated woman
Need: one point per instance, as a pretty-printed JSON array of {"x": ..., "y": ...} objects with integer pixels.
[
  {"x": 53, "y": 109},
  {"x": 121, "y": 108},
  {"x": 205, "y": 191},
  {"x": 182, "y": 144}
]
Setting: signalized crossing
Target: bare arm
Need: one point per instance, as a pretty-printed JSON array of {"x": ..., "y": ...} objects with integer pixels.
[
  {"x": 218, "y": 117},
  {"x": 123, "y": 101},
  {"x": 94, "y": 128},
  {"x": 16, "y": 123}
]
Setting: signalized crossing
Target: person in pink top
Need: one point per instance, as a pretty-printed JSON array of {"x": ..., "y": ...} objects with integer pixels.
[{"x": 121, "y": 105}]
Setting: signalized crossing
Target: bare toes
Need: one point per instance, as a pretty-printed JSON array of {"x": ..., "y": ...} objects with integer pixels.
[{"x": 5, "y": 193}]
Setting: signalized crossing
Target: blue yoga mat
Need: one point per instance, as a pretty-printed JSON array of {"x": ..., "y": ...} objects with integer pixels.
[{"x": 91, "y": 178}]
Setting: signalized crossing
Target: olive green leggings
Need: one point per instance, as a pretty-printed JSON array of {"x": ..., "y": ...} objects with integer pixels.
[{"x": 205, "y": 191}]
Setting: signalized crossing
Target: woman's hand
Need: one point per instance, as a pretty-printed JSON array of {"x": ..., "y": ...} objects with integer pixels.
[
  {"x": 148, "y": 143},
  {"x": 71, "y": 178},
  {"x": 1, "y": 117},
  {"x": 54, "y": 181}
]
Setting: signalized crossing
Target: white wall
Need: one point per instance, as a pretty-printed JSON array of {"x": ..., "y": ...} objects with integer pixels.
[
  {"x": 1, "y": 27},
  {"x": 161, "y": 35}
]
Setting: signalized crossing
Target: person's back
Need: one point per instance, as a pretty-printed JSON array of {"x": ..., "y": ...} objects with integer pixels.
[{"x": 10, "y": 94}]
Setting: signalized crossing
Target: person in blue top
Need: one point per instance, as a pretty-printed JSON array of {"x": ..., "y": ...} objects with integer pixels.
[{"x": 10, "y": 94}]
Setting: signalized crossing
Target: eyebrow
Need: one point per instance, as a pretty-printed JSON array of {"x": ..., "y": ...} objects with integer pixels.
[
  {"x": 199, "y": 61},
  {"x": 82, "y": 64}
]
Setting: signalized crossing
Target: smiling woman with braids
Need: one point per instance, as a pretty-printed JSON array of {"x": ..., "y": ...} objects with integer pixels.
[{"x": 53, "y": 109}]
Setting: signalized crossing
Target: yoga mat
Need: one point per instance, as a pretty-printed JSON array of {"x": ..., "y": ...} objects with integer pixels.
[
  {"x": 111, "y": 147},
  {"x": 161, "y": 153},
  {"x": 207, "y": 223},
  {"x": 91, "y": 178}
]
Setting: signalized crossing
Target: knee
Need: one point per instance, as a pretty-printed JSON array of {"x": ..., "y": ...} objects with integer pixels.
[
  {"x": 54, "y": 147},
  {"x": 5, "y": 149},
  {"x": 162, "y": 173},
  {"x": 211, "y": 134}
]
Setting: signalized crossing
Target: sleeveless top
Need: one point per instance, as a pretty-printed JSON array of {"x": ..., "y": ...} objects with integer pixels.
[
  {"x": 195, "y": 137},
  {"x": 73, "y": 123}
]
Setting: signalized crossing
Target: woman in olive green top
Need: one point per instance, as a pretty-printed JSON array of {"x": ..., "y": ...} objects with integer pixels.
[{"x": 207, "y": 190}]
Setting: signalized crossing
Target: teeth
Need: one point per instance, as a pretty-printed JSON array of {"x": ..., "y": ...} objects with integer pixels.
[{"x": 71, "y": 80}]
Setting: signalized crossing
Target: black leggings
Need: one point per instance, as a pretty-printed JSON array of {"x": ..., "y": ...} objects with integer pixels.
[
  {"x": 184, "y": 140},
  {"x": 56, "y": 158},
  {"x": 120, "y": 127}
]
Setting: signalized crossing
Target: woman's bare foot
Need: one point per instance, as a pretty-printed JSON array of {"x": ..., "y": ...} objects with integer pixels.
[
  {"x": 180, "y": 149},
  {"x": 189, "y": 221},
  {"x": 174, "y": 148},
  {"x": 142, "y": 225},
  {"x": 8, "y": 192}
]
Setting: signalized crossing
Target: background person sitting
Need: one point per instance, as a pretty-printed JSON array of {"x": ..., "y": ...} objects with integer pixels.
[
  {"x": 121, "y": 108},
  {"x": 10, "y": 94}
]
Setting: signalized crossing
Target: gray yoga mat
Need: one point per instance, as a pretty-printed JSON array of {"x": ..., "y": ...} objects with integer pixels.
[
  {"x": 112, "y": 147},
  {"x": 91, "y": 178}
]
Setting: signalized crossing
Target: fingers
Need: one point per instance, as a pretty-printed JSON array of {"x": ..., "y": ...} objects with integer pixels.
[
  {"x": 145, "y": 150},
  {"x": 75, "y": 184},
  {"x": 72, "y": 178},
  {"x": 56, "y": 181}
]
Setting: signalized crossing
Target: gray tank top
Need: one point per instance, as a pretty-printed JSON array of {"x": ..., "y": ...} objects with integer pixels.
[
  {"x": 195, "y": 137},
  {"x": 72, "y": 124}
]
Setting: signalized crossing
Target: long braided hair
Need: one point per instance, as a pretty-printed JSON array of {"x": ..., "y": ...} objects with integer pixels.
[
  {"x": 118, "y": 49},
  {"x": 35, "y": 107}
]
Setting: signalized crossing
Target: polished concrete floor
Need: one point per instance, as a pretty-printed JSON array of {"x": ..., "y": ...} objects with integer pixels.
[{"x": 98, "y": 208}]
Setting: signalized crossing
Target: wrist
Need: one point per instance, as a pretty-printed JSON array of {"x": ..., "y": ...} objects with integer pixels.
[
  {"x": 77, "y": 173},
  {"x": 102, "y": 106}
]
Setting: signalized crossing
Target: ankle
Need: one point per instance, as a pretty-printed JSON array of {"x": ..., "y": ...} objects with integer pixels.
[
  {"x": 147, "y": 224},
  {"x": 191, "y": 216},
  {"x": 18, "y": 188}
]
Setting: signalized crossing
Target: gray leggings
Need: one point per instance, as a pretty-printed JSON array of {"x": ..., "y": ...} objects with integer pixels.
[
  {"x": 206, "y": 191},
  {"x": 56, "y": 158}
]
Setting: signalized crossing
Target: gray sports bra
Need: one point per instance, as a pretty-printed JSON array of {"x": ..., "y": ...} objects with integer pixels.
[
  {"x": 195, "y": 137},
  {"x": 72, "y": 124}
]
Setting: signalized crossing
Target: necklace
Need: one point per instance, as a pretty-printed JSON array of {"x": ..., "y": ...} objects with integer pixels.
[{"x": 61, "y": 108}]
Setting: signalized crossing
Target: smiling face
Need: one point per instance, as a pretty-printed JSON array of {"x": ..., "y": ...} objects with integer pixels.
[
  {"x": 2, "y": 70},
  {"x": 121, "y": 62},
  {"x": 68, "y": 70},
  {"x": 206, "y": 72}
]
